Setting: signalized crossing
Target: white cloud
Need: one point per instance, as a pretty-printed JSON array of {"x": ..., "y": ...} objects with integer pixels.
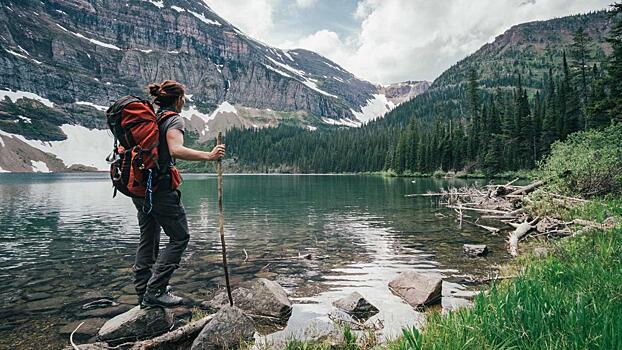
[
  {"x": 418, "y": 39},
  {"x": 305, "y": 3},
  {"x": 254, "y": 18},
  {"x": 397, "y": 39}
]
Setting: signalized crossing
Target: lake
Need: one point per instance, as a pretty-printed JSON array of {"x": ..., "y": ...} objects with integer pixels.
[{"x": 63, "y": 236}]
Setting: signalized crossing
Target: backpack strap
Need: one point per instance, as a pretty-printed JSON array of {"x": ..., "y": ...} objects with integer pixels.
[{"x": 164, "y": 115}]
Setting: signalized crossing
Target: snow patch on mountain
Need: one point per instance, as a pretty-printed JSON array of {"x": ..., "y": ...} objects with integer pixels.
[
  {"x": 224, "y": 107},
  {"x": 90, "y": 104},
  {"x": 204, "y": 19},
  {"x": 83, "y": 146},
  {"x": 375, "y": 108},
  {"x": 342, "y": 121},
  {"x": 94, "y": 41},
  {"x": 178, "y": 9},
  {"x": 158, "y": 4},
  {"x": 39, "y": 167},
  {"x": 16, "y": 95}
]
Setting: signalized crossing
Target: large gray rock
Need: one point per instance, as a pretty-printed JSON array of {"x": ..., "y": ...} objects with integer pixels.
[
  {"x": 264, "y": 300},
  {"x": 137, "y": 323},
  {"x": 356, "y": 306},
  {"x": 475, "y": 250},
  {"x": 418, "y": 289},
  {"x": 227, "y": 329}
]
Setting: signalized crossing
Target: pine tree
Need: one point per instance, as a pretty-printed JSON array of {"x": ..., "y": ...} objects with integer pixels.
[
  {"x": 614, "y": 68},
  {"x": 581, "y": 56}
]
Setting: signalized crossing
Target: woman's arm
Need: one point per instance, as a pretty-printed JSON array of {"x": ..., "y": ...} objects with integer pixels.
[{"x": 175, "y": 140}]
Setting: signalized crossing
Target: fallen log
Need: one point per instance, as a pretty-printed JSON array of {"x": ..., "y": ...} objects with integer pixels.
[
  {"x": 435, "y": 194},
  {"x": 490, "y": 229},
  {"x": 591, "y": 224},
  {"x": 527, "y": 189},
  {"x": 521, "y": 231},
  {"x": 174, "y": 339},
  {"x": 481, "y": 210}
]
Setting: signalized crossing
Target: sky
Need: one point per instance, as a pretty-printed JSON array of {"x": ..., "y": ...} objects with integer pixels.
[{"x": 387, "y": 41}]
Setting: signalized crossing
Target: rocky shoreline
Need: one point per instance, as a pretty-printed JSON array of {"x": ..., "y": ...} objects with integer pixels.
[{"x": 260, "y": 310}]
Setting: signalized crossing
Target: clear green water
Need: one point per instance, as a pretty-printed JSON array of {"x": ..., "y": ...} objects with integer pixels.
[{"x": 62, "y": 236}]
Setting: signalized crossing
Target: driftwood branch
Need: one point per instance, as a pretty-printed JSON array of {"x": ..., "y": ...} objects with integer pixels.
[
  {"x": 527, "y": 189},
  {"x": 71, "y": 337},
  {"x": 174, "y": 339}
]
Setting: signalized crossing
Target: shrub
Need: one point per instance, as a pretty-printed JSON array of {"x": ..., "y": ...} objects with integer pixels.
[{"x": 588, "y": 163}]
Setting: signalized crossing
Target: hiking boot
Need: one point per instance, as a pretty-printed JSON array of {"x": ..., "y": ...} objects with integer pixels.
[{"x": 160, "y": 298}]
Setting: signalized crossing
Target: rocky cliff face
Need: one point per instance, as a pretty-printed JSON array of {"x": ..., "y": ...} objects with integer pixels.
[
  {"x": 399, "y": 93},
  {"x": 64, "y": 61}
]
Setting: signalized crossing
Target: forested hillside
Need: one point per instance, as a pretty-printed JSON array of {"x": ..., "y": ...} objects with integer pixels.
[{"x": 498, "y": 109}]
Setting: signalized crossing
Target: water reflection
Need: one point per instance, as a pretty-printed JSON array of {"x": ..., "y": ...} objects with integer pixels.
[{"x": 64, "y": 236}]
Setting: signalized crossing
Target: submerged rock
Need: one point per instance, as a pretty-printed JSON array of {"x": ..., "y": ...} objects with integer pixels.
[
  {"x": 265, "y": 300},
  {"x": 356, "y": 306},
  {"x": 475, "y": 250},
  {"x": 227, "y": 329},
  {"x": 418, "y": 289},
  {"x": 99, "y": 303},
  {"x": 455, "y": 296},
  {"x": 107, "y": 312},
  {"x": 137, "y": 323},
  {"x": 86, "y": 331}
]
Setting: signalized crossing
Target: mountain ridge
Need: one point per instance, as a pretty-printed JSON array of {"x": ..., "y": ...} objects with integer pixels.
[{"x": 80, "y": 55}]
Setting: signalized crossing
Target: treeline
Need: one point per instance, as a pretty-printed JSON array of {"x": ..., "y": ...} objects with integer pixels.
[{"x": 462, "y": 127}]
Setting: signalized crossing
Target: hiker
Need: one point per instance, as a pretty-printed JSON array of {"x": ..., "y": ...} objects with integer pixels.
[{"x": 153, "y": 269}]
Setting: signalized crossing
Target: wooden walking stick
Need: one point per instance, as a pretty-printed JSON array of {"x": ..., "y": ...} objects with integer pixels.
[{"x": 221, "y": 222}]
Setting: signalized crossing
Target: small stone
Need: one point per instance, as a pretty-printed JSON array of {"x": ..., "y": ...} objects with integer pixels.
[
  {"x": 86, "y": 331},
  {"x": 137, "y": 323},
  {"x": 418, "y": 289},
  {"x": 356, "y": 306},
  {"x": 228, "y": 328},
  {"x": 475, "y": 250}
]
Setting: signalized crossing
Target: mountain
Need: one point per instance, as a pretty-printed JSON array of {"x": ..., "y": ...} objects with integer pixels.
[
  {"x": 524, "y": 52},
  {"x": 60, "y": 71},
  {"x": 503, "y": 104}
]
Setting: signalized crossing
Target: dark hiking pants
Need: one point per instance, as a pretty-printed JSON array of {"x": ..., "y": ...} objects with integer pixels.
[{"x": 153, "y": 270}]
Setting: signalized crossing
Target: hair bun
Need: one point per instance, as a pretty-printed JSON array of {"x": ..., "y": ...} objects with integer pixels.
[{"x": 155, "y": 90}]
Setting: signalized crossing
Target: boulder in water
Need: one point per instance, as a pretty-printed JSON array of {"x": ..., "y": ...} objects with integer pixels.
[
  {"x": 418, "y": 289},
  {"x": 475, "y": 250},
  {"x": 356, "y": 306},
  {"x": 265, "y": 300},
  {"x": 137, "y": 323},
  {"x": 227, "y": 329}
]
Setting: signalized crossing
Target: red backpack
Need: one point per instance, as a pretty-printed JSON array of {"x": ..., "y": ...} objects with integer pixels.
[{"x": 133, "y": 162}]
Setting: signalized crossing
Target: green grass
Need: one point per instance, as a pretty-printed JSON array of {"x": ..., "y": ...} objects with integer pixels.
[{"x": 570, "y": 300}]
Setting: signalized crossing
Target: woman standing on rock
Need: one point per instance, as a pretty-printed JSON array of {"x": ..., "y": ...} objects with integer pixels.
[{"x": 152, "y": 271}]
